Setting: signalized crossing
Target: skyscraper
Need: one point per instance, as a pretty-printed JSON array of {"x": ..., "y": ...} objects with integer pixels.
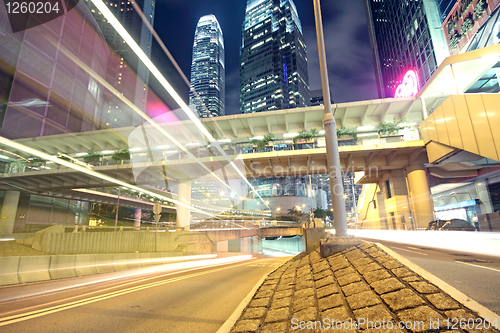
[
  {"x": 273, "y": 61},
  {"x": 404, "y": 35},
  {"x": 208, "y": 69}
]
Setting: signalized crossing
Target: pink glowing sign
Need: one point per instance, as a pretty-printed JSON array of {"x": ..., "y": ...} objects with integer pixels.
[{"x": 409, "y": 87}]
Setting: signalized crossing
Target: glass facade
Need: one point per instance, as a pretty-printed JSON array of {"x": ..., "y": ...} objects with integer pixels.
[
  {"x": 126, "y": 73},
  {"x": 273, "y": 61},
  {"x": 208, "y": 69},
  {"x": 43, "y": 91},
  {"x": 404, "y": 35}
]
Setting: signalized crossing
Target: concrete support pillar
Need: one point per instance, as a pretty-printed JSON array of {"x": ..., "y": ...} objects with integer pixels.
[
  {"x": 420, "y": 196},
  {"x": 137, "y": 218},
  {"x": 9, "y": 211},
  {"x": 184, "y": 213}
]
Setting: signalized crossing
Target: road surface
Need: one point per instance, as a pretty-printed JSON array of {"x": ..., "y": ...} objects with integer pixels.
[{"x": 190, "y": 300}]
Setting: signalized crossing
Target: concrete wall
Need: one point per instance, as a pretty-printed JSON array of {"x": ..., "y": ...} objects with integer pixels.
[
  {"x": 25, "y": 269},
  {"x": 224, "y": 235},
  {"x": 312, "y": 236},
  {"x": 489, "y": 222},
  {"x": 121, "y": 242},
  {"x": 390, "y": 213}
]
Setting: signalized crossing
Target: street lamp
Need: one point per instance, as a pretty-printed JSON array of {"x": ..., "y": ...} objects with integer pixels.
[
  {"x": 455, "y": 193},
  {"x": 332, "y": 148}
]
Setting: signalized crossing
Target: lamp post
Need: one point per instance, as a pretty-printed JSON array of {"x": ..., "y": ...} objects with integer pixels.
[
  {"x": 332, "y": 149},
  {"x": 455, "y": 193}
]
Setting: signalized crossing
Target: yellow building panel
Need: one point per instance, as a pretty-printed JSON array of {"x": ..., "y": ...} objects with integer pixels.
[
  {"x": 481, "y": 127},
  {"x": 424, "y": 132},
  {"x": 452, "y": 124},
  {"x": 464, "y": 124},
  {"x": 441, "y": 126},
  {"x": 431, "y": 127},
  {"x": 492, "y": 107}
]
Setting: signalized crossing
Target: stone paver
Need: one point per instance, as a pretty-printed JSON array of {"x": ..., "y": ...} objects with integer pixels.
[
  {"x": 387, "y": 285},
  {"x": 364, "y": 299},
  {"x": 344, "y": 271},
  {"x": 349, "y": 278},
  {"x": 327, "y": 290},
  {"x": 355, "y": 288},
  {"x": 254, "y": 313},
  {"x": 374, "y": 313},
  {"x": 424, "y": 287},
  {"x": 259, "y": 302},
  {"x": 442, "y": 302},
  {"x": 281, "y": 327},
  {"x": 362, "y": 282},
  {"x": 329, "y": 302},
  {"x": 275, "y": 315},
  {"x": 402, "y": 299},
  {"x": 323, "y": 282},
  {"x": 422, "y": 318},
  {"x": 246, "y": 326},
  {"x": 336, "y": 314},
  {"x": 281, "y": 303},
  {"x": 377, "y": 275},
  {"x": 309, "y": 314},
  {"x": 401, "y": 272}
]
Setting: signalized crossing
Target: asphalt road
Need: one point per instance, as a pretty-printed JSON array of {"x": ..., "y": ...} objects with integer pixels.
[
  {"x": 475, "y": 275},
  {"x": 191, "y": 300}
]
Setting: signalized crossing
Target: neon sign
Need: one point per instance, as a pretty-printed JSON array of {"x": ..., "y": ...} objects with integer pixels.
[{"x": 409, "y": 87}]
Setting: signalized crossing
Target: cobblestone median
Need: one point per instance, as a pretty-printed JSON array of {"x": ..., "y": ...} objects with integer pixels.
[{"x": 361, "y": 289}]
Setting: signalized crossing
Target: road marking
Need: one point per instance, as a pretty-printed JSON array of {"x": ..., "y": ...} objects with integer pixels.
[
  {"x": 466, "y": 263},
  {"x": 38, "y": 313},
  {"x": 424, "y": 254}
]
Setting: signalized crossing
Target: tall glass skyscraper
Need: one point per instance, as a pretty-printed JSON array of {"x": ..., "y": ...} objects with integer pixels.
[
  {"x": 273, "y": 61},
  {"x": 404, "y": 35},
  {"x": 208, "y": 73}
]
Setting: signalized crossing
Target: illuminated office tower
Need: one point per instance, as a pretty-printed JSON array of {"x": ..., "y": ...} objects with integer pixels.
[
  {"x": 404, "y": 35},
  {"x": 273, "y": 61},
  {"x": 208, "y": 69}
]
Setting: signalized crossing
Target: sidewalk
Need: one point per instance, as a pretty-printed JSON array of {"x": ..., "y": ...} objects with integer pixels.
[{"x": 361, "y": 289}]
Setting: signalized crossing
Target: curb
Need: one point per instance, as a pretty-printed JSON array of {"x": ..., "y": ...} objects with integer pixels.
[
  {"x": 457, "y": 295},
  {"x": 229, "y": 323}
]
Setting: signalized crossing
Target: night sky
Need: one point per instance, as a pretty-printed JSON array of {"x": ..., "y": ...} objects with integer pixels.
[{"x": 348, "y": 52}]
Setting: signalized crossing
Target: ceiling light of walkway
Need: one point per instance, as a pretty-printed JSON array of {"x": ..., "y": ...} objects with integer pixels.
[
  {"x": 290, "y": 135},
  {"x": 366, "y": 128},
  {"x": 84, "y": 170}
]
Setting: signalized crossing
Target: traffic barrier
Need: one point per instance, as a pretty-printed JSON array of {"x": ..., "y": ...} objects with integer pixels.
[
  {"x": 62, "y": 267},
  {"x": 8, "y": 275},
  {"x": 34, "y": 268},
  {"x": 104, "y": 263},
  {"x": 85, "y": 264}
]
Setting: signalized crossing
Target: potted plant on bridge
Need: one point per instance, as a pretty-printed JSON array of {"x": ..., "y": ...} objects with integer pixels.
[
  {"x": 267, "y": 141},
  {"x": 347, "y": 134},
  {"x": 390, "y": 130},
  {"x": 121, "y": 155},
  {"x": 92, "y": 157},
  {"x": 306, "y": 136}
]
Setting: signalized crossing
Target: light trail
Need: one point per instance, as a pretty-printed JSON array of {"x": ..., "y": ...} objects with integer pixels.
[
  {"x": 61, "y": 307},
  {"x": 486, "y": 243}
]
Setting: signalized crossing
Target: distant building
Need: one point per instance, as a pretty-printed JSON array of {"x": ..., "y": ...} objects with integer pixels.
[
  {"x": 317, "y": 97},
  {"x": 404, "y": 35},
  {"x": 208, "y": 69},
  {"x": 273, "y": 61}
]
